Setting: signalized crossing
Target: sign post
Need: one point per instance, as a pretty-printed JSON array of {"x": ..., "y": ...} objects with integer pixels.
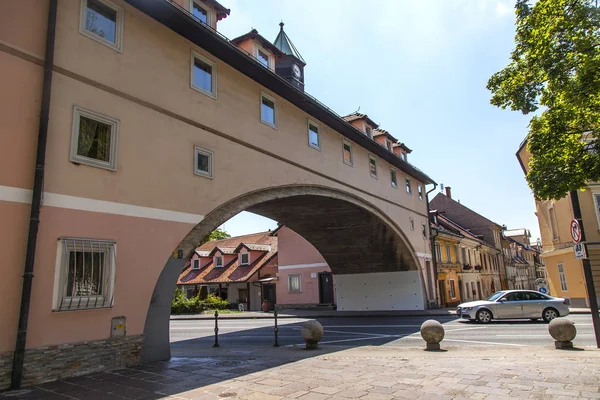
[{"x": 578, "y": 234}]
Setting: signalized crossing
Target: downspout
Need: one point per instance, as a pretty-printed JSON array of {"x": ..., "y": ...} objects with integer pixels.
[
  {"x": 432, "y": 239},
  {"x": 36, "y": 201}
]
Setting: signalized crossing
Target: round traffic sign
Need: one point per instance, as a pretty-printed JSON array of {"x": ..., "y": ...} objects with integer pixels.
[
  {"x": 575, "y": 231},
  {"x": 543, "y": 290}
]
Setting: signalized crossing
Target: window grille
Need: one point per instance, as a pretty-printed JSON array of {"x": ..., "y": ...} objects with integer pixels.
[{"x": 86, "y": 272}]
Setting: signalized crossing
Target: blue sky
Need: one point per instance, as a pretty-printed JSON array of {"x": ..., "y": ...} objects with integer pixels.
[{"x": 419, "y": 69}]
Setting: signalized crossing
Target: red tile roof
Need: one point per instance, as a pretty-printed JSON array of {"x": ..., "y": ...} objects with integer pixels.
[{"x": 355, "y": 116}]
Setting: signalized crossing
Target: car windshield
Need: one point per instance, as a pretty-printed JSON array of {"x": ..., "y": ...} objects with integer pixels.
[{"x": 495, "y": 296}]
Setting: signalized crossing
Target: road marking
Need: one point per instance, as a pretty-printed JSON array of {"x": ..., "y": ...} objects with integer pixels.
[
  {"x": 546, "y": 336},
  {"x": 464, "y": 329}
]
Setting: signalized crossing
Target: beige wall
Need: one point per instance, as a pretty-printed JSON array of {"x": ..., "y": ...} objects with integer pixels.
[{"x": 147, "y": 87}]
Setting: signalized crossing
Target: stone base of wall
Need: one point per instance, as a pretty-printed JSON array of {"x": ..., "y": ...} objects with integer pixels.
[
  {"x": 304, "y": 306},
  {"x": 62, "y": 361}
]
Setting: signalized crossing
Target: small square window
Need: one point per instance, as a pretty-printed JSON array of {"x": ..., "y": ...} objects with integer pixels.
[
  {"x": 200, "y": 13},
  {"x": 244, "y": 259},
  {"x": 369, "y": 132},
  {"x": 393, "y": 177},
  {"x": 196, "y": 264},
  {"x": 420, "y": 191},
  {"x": 263, "y": 58},
  {"x": 204, "y": 75},
  {"x": 347, "y": 153},
  {"x": 268, "y": 110},
  {"x": 203, "y": 162},
  {"x": 102, "y": 20},
  {"x": 372, "y": 166},
  {"x": 313, "y": 136},
  {"x": 94, "y": 139},
  {"x": 218, "y": 261},
  {"x": 294, "y": 283},
  {"x": 85, "y": 274},
  {"x": 408, "y": 186}
]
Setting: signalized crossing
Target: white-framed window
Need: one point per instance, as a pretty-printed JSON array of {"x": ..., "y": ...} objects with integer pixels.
[
  {"x": 196, "y": 264},
  {"x": 393, "y": 178},
  {"x": 85, "y": 274},
  {"x": 552, "y": 221},
  {"x": 388, "y": 144},
  {"x": 562, "y": 277},
  {"x": 403, "y": 156},
  {"x": 201, "y": 13},
  {"x": 438, "y": 252},
  {"x": 420, "y": 191},
  {"x": 294, "y": 283},
  {"x": 448, "y": 254},
  {"x": 203, "y": 162},
  {"x": 411, "y": 223},
  {"x": 102, "y": 20},
  {"x": 451, "y": 288},
  {"x": 218, "y": 261},
  {"x": 268, "y": 110},
  {"x": 263, "y": 57},
  {"x": 347, "y": 153},
  {"x": 373, "y": 166},
  {"x": 408, "y": 186},
  {"x": 94, "y": 139},
  {"x": 369, "y": 131},
  {"x": 244, "y": 257},
  {"x": 597, "y": 204},
  {"x": 203, "y": 75},
  {"x": 314, "y": 140}
]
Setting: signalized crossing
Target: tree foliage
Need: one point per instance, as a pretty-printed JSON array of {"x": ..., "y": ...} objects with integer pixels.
[
  {"x": 217, "y": 234},
  {"x": 554, "y": 72}
]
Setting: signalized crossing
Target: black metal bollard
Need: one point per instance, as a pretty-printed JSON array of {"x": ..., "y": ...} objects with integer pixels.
[
  {"x": 276, "y": 331},
  {"x": 216, "y": 329}
]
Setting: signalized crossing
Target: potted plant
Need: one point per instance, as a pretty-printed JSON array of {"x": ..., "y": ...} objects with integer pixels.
[{"x": 266, "y": 305}]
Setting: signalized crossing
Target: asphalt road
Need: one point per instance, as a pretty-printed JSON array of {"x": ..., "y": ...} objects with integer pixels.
[{"x": 384, "y": 331}]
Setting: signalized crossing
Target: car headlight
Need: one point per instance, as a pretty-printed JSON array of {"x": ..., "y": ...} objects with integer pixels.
[{"x": 466, "y": 308}]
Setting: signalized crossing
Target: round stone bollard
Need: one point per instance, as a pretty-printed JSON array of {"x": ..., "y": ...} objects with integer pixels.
[
  {"x": 563, "y": 332},
  {"x": 433, "y": 333},
  {"x": 312, "y": 333}
]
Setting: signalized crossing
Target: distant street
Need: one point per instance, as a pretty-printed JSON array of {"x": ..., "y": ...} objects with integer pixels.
[{"x": 383, "y": 331}]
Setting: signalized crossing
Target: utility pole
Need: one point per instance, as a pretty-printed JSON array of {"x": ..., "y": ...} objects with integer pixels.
[{"x": 587, "y": 269}]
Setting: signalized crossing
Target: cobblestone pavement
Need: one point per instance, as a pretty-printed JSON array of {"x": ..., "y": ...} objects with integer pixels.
[{"x": 368, "y": 373}]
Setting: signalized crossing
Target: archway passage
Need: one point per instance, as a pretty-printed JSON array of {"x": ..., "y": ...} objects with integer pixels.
[{"x": 353, "y": 236}]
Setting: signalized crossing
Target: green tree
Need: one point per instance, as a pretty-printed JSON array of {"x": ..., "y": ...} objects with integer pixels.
[
  {"x": 217, "y": 234},
  {"x": 554, "y": 72}
]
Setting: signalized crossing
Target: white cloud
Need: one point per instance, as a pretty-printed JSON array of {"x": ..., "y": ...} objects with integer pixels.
[{"x": 502, "y": 8}]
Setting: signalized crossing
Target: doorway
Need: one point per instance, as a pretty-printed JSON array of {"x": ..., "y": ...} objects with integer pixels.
[
  {"x": 442, "y": 293},
  {"x": 326, "y": 288},
  {"x": 268, "y": 290}
]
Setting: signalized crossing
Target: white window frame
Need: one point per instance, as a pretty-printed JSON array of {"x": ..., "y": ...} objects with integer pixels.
[
  {"x": 562, "y": 277},
  {"x": 275, "y": 112},
  {"x": 351, "y": 163},
  {"x": 314, "y": 124},
  {"x": 242, "y": 258},
  {"x": 111, "y": 165},
  {"x": 196, "y": 264},
  {"x": 596, "y": 198},
  {"x": 369, "y": 131},
  {"x": 420, "y": 191},
  {"x": 394, "y": 178},
  {"x": 118, "y": 44},
  {"x": 211, "y": 164},
  {"x": 451, "y": 289},
  {"x": 61, "y": 302},
  {"x": 299, "y": 276},
  {"x": 551, "y": 222},
  {"x": 388, "y": 144},
  {"x": 408, "y": 185},
  {"x": 266, "y": 53},
  {"x": 403, "y": 156},
  {"x": 373, "y": 175},
  {"x": 208, "y": 11},
  {"x": 213, "y": 76},
  {"x": 216, "y": 263}
]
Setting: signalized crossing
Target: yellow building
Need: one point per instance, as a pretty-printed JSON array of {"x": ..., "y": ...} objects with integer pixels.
[
  {"x": 447, "y": 242},
  {"x": 565, "y": 273}
]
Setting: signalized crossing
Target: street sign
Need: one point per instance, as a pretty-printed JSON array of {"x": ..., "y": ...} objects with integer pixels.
[
  {"x": 579, "y": 250},
  {"x": 575, "y": 231},
  {"x": 543, "y": 290}
]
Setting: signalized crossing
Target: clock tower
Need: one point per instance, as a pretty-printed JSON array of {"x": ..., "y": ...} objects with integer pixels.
[{"x": 291, "y": 65}]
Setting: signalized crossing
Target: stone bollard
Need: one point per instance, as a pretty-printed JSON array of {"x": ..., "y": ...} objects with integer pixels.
[
  {"x": 563, "y": 332},
  {"x": 312, "y": 333},
  {"x": 433, "y": 333}
]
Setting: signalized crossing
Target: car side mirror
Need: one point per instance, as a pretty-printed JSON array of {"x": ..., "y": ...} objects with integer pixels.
[{"x": 502, "y": 300}]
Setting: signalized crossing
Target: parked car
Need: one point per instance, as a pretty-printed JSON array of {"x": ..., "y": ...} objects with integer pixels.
[{"x": 514, "y": 304}]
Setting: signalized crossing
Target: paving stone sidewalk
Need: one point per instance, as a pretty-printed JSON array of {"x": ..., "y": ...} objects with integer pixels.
[{"x": 366, "y": 373}]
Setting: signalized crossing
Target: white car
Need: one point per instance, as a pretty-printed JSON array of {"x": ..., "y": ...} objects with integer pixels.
[{"x": 514, "y": 304}]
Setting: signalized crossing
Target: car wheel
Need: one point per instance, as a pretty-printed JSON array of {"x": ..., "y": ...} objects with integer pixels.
[
  {"x": 484, "y": 316},
  {"x": 549, "y": 314}
]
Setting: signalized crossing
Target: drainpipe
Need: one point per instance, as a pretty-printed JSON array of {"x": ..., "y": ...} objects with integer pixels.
[
  {"x": 432, "y": 239},
  {"x": 36, "y": 201}
]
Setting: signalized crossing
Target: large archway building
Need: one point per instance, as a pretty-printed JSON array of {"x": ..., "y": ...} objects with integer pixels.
[{"x": 155, "y": 130}]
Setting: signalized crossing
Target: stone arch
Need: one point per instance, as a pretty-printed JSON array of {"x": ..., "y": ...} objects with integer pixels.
[{"x": 352, "y": 234}]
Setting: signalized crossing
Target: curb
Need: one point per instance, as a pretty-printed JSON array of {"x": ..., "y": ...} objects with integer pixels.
[{"x": 270, "y": 316}]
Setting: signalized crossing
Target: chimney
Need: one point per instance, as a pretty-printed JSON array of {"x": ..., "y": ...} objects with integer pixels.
[{"x": 448, "y": 192}]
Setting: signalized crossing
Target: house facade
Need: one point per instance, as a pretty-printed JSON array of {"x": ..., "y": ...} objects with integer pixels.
[{"x": 565, "y": 274}]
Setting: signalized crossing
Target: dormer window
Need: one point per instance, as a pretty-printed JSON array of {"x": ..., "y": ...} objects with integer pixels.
[
  {"x": 403, "y": 156},
  {"x": 263, "y": 58},
  {"x": 218, "y": 261},
  {"x": 388, "y": 144},
  {"x": 200, "y": 13},
  {"x": 244, "y": 259},
  {"x": 369, "y": 132},
  {"x": 196, "y": 264}
]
